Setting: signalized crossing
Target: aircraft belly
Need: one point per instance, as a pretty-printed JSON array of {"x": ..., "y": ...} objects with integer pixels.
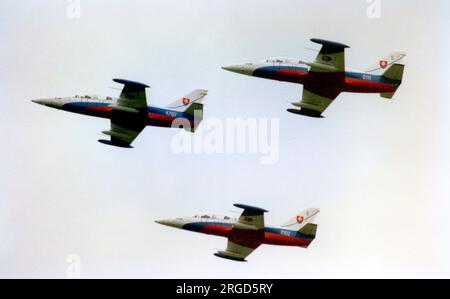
[
  {"x": 159, "y": 123},
  {"x": 365, "y": 86},
  {"x": 285, "y": 75},
  {"x": 326, "y": 81},
  {"x": 247, "y": 238},
  {"x": 209, "y": 228},
  {"x": 161, "y": 120},
  {"x": 216, "y": 230},
  {"x": 290, "y": 76},
  {"x": 282, "y": 240}
]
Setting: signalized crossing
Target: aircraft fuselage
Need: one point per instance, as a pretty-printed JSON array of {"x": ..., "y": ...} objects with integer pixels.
[
  {"x": 103, "y": 108},
  {"x": 248, "y": 238},
  {"x": 348, "y": 81}
]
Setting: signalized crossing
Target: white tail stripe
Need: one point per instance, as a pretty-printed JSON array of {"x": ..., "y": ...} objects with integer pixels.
[
  {"x": 387, "y": 61},
  {"x": 305, "y": 217},
  {"x": 194, "y": 97}
]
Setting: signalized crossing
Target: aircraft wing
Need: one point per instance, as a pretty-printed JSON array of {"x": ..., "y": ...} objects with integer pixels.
[
  {"x": 123, "y": 132},
  {"x": 326, "y": 75},
  {"x": 314, "y": 101},
  {"x": 126, "y": 120},
  {"x": 236, "y": 252},
  {"x": 132, "y": 95},
  {"x": 252, "y": 218},
  {"x": 245, "y": 235},
  {"x": 331, "y": 57}
]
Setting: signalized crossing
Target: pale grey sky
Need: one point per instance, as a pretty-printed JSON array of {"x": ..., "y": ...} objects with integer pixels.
[{"x": 379, "y": 170}]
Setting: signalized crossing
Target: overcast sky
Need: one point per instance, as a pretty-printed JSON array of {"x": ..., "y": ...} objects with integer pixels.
[{"x": 378, "y": 169}]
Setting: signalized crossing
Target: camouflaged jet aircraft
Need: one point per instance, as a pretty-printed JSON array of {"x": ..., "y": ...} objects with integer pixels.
[
  {"x": 129, "y": 114},
  {"x": 326, "y": 77},
  {"x": 249, "y": 231}
]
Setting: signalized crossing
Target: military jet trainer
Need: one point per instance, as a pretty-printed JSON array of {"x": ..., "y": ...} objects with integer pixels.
[
  {"x": 249, "y": 231},
  {"x": 129, "y": 114},
  {"x": 326, "y": 77}
]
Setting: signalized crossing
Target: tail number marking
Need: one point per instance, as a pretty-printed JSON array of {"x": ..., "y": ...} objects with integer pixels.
[
  {"x": 285, "y": 233},
  {"x": 171, "y": 113}
]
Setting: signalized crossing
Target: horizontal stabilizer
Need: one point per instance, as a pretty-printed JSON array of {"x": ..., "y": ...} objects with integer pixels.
[
  {"x": 394, "y": 73},
  {"x": 195, "y": 107},
  {"x": 387, "y": 95},
  {"x": 309, "y": 230}
]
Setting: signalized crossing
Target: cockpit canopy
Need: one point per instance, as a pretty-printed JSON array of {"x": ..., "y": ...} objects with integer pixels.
[
  {"x": 213, "y": 217},
  {"x": 283, "y": 60},
  {"x": 87, "y": 97},
  {"x": 92, "y": 97}
]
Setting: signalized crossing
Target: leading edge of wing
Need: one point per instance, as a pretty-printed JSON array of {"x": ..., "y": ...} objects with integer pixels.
[
  {"x": 131, "y": 83},
  {"x": 329, "y": 46},
  {"x": 250, "y": 208}
]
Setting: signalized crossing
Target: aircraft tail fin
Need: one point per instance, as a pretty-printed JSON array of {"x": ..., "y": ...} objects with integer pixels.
[
  {"x": 195, "y": 112},
  {"x": 302, "y": 220},
  {"x": 309, "y": 231},
  {"x": 386, "y": 62},
  {"x": 395, "y": 73},
  {"x": 191, "y": 105},
  {"x": 183, "y": 104}
]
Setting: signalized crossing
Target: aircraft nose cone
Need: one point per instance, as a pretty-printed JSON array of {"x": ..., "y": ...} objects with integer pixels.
[
  {"x": 230, "y": 68},
  {"x": 244, "y": 69},
  {"x": 51, "y": 102},
  {"x": 172, "y": 223},
  {"x": 40, "y": 102},
  {"x": 165, "y": 222}
]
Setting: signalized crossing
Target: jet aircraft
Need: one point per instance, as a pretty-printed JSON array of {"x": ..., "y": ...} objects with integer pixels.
[
  {"x": 248, "y": 232},
  {"x": 326, "y": 77},
  {"x": 129, "y": 114}
]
